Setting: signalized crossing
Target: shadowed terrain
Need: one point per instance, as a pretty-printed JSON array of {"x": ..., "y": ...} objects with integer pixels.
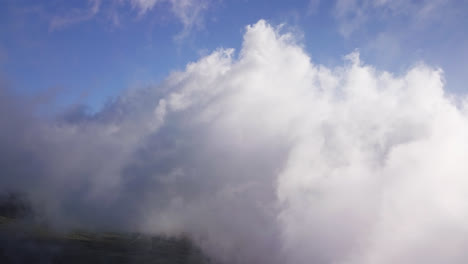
[{"x": 24, "y": 241}]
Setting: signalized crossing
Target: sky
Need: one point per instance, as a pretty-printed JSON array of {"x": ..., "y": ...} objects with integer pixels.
[
  {"x": 89, "y": 51},
  {"x": 331, "y": 132}
]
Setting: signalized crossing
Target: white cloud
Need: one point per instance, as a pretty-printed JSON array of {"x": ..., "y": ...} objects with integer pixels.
[
  {"x": 188, "y": 12},
  {"x": 75, "y": 16},
  {"x": 144, "y": 5},
  {"x": 355, "y": 15},
  {"x": 263, "y": 157}
]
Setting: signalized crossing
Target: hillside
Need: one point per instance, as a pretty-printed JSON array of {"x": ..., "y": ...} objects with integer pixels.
[{"x": 23, "y": 241}]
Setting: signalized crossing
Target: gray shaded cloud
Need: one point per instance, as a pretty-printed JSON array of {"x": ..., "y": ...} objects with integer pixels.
[{"x": 263, "y": 157}]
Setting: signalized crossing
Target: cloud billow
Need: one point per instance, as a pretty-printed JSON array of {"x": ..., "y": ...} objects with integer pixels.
[{"x": 261, "y": 157}]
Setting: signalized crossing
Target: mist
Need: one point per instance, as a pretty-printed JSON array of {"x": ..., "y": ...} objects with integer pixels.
[{"x": 260, "y": 156}]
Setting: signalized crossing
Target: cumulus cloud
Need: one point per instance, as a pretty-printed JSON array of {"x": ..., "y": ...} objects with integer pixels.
[{"x": 261, "y": 157}]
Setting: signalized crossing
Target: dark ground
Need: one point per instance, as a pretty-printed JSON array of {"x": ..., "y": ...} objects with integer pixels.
[{"x": 23, "y": 241}]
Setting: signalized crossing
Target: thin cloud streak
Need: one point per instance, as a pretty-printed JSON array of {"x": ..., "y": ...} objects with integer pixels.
[
  {"x": 188, "y": 12},
  {"x": 75, "y": 16},
  {"x": 353, "y": 15}
]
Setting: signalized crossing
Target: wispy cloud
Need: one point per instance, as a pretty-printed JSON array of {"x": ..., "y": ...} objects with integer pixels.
[
  {"x": 75, "y": 16},
  {"x": 353, "y": 15},
  {"x": 190, "y": 13},
  {"x": 144, "y": 6}
]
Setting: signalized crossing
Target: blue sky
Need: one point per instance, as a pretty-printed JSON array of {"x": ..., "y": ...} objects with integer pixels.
[{"x": 86, "y": 52}]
